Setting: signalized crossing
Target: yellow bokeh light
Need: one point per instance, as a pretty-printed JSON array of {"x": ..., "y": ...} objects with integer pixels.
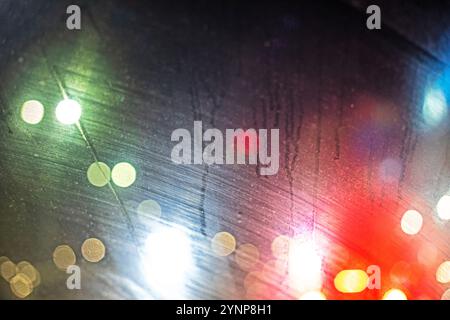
[
  {"x": 411, "y": 222},
  {"x": 21, "y": 285},
  {"x": 63, "y": 257},
  {"x": 68, "y": 111},
  {"x": 313, "y": 295},
  {"x": 93, "y": 250},
  {"x": 149, "y": 208},
  {"x": 32, "y": 112},
  {"x": 123, "y": 174},
  {"x": 99, "y": 174},
  {"x": 26, "y": 268},
  {"x": 3, "y": 259},
  {"x": 443, "y": 272},
  {"x": 394, "y": 294},
  {"x": 443, "y": 208},
  {"x": 7, "y": 270},
  {"x": 223, "y": 244},
  {"x": 351, "y": 281},
  {"x": 247, "y": 256}
]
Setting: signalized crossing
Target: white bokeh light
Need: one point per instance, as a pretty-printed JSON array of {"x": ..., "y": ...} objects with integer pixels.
[
  {"x": 167, "y": 261},
  {"x": 304, "y": 266},
  {"x": 443, "y": 208},
  {"x": 412, "y": 222}
]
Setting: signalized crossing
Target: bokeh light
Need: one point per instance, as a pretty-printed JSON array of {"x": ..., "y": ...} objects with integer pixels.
[
  {"x": 93, "y": 250},
  {"x": 443, "y": 272},
  {"x": 99, "y": 174},
  {"x": 123, "y": 174},
  {"x": 149, "y": 208},
  {"x": 8, "y": 270},
  {"x": 351, "y": 281},
  {"x": 411, "y": 222},
  {"x": 30, "y": 271},
  {"x": 223, "y": 244},
  {"x": 63, "y": 257},
  {"x": 434, "y": 107},
  {"x": 305, "y": 266},
  {"x": 32, "y": 112},
  {"x": 21, "y": 285},
  {"x": 68, "y": 111},
  {"x": 167, "y": 261},
  {"x": 394, "y": 294},
  {"x": 247, "y": 256},
  {"x": 443, "y": 207}
]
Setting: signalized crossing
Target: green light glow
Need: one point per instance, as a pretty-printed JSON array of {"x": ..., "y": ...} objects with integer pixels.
[
  {"x": 123, "y": 174},
  {"x": 99, "y": 174},
  {"x": 68, "y": 111},
  {"x": 32, "y": 112}
]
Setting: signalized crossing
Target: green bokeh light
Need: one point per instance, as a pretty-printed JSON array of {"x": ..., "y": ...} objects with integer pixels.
[{"x": 99, "y": 174}]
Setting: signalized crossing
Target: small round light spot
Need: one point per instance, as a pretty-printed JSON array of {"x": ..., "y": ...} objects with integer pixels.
[
  {"x": 223, "y": 244},
  {"x": 68, "y": 111},
  {"x": 412, "y": 222},
  {"x": 394, "y": 294},
  {"x": 30, "y": 271},
  {"x": 63, "y": 257},
  {"x": 93, "y": 250},
  {"x": 123, "y": 174},
  {"x": 443, "y": 272},
  {"x": 351, "y": 281},
  {"x": 149, "y": 208},
  {"x": 99, "y": 174},
  {"x": 443, "y": 208},
  {"x": 21, "y": 286},
  {"x": 8, "y": 270},
  {"x": 32, "y": 112}
]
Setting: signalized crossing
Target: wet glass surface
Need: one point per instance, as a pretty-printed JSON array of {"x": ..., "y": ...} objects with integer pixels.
[{"x": 364, "y": 137}]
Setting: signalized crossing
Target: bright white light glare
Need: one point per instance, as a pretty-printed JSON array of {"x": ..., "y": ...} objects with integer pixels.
[
  {"x": 305, "y": 266},
  {"x": 434, "y": 107},
  {"x": 412, "y": 222},
  {"x": 68, "y": 111},
  {"x": 443, "y": 208},
  {"x": 167, "y": 260}
]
